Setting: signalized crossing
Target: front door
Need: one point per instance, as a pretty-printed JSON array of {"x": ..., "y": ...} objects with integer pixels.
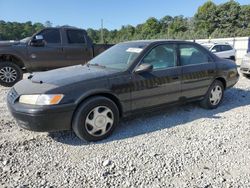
[
  {"x": 50, "y": 55},
  {"x": 163, "y": 84}
]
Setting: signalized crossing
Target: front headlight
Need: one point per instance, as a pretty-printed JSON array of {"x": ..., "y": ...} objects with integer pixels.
[{"x": 42, "y": 99}]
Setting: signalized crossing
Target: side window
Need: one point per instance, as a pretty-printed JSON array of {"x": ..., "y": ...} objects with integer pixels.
[
  {"x": 217, "y": 48},
  {"x": 162, "y": 56},
  {"x": 190, "y": 55},
  {"x": 226, "y": 48},
  {"x": 75, "y": 36},
  {"x": 51, "y": 36}
]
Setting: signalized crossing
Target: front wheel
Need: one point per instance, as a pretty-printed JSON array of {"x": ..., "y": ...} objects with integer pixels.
[
  {"x": 214, "y": 96},
  {"x": 10, "y": 74},
  {"x": 95, "y": 119}
]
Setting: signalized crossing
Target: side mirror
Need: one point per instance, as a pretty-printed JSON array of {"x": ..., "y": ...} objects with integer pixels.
[
  {"x": 144, "y": 67},
  {"x": 213, "y": 51},
  {"x": 37, "y": 41},
  {"x": 39, "y": 37}
]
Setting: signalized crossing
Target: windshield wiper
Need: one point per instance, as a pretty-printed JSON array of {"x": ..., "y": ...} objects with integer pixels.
[{"x": 97, "y": 65}]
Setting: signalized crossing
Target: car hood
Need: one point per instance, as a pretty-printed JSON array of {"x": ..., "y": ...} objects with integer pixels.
[
  {"x": 69, "y": 75},
  {"x": 8, "y": 43}
]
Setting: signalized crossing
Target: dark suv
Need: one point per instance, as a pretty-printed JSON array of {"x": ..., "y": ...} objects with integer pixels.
[
  {"x": 48, "y": 49},
  {"x": 128, "y": 78}
]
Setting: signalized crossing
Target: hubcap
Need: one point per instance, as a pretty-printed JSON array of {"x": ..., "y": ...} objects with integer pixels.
[
  {"x": 8, "y": 74},
  {"x": 216, "y": 95},
  {"x": 99, "y": 121}
]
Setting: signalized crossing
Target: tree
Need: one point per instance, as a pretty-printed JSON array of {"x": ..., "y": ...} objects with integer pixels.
[
  {"x": 228, "y": 16},
  {"x": 48, "y": 24},
  {"x": 225, "y": 20},
  {"x": 205, "y": 19},
  {"x": 178, "y": 26},
  {"x": 151, "y": 28},
  {"x": 244, "y": 17},
  {"x": 94, "y": 35},
  {"x": 165, "y": 22}
]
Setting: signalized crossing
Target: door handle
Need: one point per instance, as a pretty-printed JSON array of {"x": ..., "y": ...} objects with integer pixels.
[{"x": 211, "y": 71}]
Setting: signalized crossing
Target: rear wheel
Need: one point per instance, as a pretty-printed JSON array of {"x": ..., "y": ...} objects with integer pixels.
[
  {"x": 10, "y": 74},
  {"x": 95, "y": 119},
  {"x": 214, "y": 96}
]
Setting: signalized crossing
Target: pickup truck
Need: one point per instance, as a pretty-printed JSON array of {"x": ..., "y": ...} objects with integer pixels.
[{"x": 47, "y": 49}]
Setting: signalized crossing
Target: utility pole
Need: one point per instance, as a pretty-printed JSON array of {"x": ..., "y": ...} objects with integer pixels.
[{"x": 102, "y": 38}]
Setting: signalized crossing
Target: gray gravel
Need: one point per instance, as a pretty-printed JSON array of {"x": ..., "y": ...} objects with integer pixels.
[{"x": 181, "y": 147}]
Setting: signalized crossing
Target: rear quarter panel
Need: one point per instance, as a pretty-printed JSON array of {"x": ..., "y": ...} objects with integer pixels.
[{"x": 227, "y": 69}]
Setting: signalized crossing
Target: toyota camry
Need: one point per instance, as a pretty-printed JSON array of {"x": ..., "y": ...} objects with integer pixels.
[{"x": 129, "y": 78}]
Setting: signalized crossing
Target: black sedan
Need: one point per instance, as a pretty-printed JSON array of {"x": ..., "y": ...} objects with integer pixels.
[{"x": 128, "y": 78}]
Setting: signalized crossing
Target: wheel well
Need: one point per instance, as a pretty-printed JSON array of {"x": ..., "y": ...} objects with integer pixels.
[
  {"x": 12, "y": 58},
  {"x": 109, "y": 96},
  {"x": 223, "y": 81},
  {"x": 232, "y": 58}
]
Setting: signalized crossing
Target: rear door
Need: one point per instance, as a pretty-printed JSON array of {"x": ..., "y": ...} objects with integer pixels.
[
  {"x": 76, "y": 50},
  {"x": 49, "y": 56},
  {"x": 163, "y": 84},
  {"x": 198, "y": 70}
]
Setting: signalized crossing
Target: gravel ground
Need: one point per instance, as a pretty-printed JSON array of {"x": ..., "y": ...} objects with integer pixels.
[{"x": 181, "y": 147}]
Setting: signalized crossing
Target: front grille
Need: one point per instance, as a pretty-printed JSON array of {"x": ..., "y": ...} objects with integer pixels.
[
  {"x": 244, "y": 69},
  {"x": 12, "y": 96}
]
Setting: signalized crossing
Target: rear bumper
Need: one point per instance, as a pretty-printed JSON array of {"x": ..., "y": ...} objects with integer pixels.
[{"x": 42, "y": 119}]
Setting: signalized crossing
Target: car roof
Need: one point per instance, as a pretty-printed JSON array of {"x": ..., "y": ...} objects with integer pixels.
[
  {"x": 148, "y": 42},
  {"x": 214, "y": 43},
  {"x": 67, "y": 27}
]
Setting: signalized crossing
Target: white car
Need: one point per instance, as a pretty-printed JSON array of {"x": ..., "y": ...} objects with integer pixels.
[
  {"x": 225, "y": 51},
  {"x": 245, "y": 65}
]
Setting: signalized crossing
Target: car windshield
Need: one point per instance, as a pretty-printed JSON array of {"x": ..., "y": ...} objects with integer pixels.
[
  {"x": 119, "y": 56},
  {"x": 25, "y": 40}
]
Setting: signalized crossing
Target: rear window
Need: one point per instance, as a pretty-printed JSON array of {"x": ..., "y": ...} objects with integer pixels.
[
  {"x": 75, "y": 37},
  {"x": 190, "y": 55},
  {"x": 226, "y": 47}
]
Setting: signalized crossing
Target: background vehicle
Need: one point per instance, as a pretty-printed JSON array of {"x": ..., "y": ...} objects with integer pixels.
[
  {"x": 245, "y": 65},
  {"x": 48, "y": 49},
  {"x": 128, "y": 78},
  {"x": 224, "y": 51}
]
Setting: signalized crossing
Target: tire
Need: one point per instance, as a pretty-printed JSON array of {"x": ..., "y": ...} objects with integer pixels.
[
  {"x": 211, "y": 101},
  {"x": 95, "y": 119},
  {"x": 10, "y": 74}
]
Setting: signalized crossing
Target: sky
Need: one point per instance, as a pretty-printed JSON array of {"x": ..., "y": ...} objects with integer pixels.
[{"x": 88, "y": 13}]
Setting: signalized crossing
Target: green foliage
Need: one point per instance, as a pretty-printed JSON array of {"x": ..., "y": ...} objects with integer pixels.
[
  {"x": 211, "y": 20},
  {"x": 229, "y": 19},
  {"x": 17, "y": 31},
  {"x": 206, "y": 19},
  {"x": 178, "y": 26}
]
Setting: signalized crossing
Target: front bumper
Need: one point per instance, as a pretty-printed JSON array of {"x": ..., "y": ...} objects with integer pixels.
[
  {"x": 42, "y": 118},
  {"x": 245, "y": 68}
]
